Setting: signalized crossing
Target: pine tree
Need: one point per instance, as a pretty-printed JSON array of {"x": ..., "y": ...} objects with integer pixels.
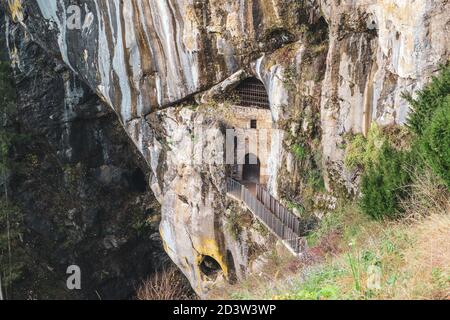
[
  {"x": 428, "y": 101},
  {"x": 384, "y": 183},
  {"x": 430, "y": 121}
]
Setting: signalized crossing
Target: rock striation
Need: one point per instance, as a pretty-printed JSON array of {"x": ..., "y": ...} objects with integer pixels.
[{"x": 330, "y": 68}]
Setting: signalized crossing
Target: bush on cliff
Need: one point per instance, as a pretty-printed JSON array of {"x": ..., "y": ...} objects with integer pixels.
[
  {"x": 384, "y": 183},
  {"x": 430, "y": 122},
  {"x": 434, "y": 145},
  {"x": 428, "y": 101},
  {"x": 387, "y": 171}
]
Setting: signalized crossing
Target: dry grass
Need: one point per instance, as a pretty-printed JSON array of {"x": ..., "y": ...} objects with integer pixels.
[
  {"x": 168, "y": 284},
  {"x": 414, "y": 260},
  {"x": 428, "y": 196},
  {"x": 279, "y": 264},
  {"x": 427, "y": 262}
]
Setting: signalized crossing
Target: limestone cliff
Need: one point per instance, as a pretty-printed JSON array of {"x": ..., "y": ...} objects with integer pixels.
[{"x": 330, "y": 68}]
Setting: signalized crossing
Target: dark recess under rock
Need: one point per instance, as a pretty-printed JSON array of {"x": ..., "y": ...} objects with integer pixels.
[{"x": 80, "y": 185}]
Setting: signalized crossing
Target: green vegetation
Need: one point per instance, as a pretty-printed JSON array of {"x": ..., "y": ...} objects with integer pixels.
[
  {"x": 430, "y": 122},
  {"x": 362, "y": 151},
  {"x": 315, "y": 180},
  {"x": 299, "y": 151},
  {"x": 428, "y": 101},
  {"x": 384, "y": 183},
  {"x": 387, "y": 165},
  {"x": 317, "y": 286},
  {"x": 384, "y": 178},
  {"x": 435, "y": 142}
]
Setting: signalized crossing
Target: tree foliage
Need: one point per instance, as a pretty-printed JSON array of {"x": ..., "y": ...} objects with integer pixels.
[
  {"x": 430, "y": 121},
  {"x": 434, "y": 145},
  {"x": 385, "y": 180},
  {"x": 428, "y": 101},
  {"x": 384, "y": 183}
]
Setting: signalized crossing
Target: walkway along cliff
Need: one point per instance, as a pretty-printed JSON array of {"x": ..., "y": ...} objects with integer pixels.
[{"x": 283, "y": 224}]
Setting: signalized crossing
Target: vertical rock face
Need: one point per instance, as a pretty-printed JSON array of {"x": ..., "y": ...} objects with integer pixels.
[
  {"x": 330, "y": 68},
  {"x": 378, "y": 50},
  {"x": 78, "y": 182}
]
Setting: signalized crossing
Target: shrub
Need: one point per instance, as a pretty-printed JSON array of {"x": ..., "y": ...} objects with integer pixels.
[
  {"x": 384, "y": 183},
  {"x": 428, "y": 101},
  {"x": 362, "y": 151},
  {"x": 385, "y": 178},
  {"x": 430, "y": 121},
  {"x": 299, "y": 151},
  {"x": 434, "y": 145},
  {"x": 355, "y": 151},
  {"x": 315, "y": 180}
]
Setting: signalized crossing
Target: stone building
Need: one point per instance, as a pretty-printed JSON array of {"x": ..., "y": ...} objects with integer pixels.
[{"x": 250, "y": 132}]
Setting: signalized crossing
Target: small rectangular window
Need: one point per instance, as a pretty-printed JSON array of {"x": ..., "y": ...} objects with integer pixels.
[{"x": 253, "y": 124}]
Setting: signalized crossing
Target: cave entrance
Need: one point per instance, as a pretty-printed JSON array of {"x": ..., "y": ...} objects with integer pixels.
[
  {"x": 251, "y": 172},
  {"x": 210, "y": 267}
]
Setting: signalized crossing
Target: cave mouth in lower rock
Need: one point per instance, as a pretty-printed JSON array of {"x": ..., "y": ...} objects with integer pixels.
[{"x": 210, "y": 267}]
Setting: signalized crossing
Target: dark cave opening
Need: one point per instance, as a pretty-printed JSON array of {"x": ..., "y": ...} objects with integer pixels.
[
  {"x": 210, "y": 267},
  {"x": 138, "y": 181}
]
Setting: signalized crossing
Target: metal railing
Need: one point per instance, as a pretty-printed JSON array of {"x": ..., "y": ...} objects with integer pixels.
[
  {"x": 288, "y": 218},
  {"x": 284, "y": 224},
  {"x": 234, "y": 188}
]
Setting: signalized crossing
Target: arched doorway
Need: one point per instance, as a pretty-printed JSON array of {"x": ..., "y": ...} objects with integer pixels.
[{"x": 252, "y": 169}]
